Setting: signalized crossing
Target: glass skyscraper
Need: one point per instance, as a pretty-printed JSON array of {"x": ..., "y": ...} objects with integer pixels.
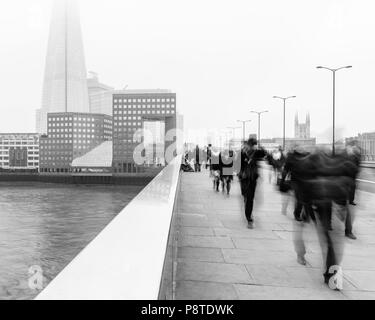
[{"x": 65, "y": 79}]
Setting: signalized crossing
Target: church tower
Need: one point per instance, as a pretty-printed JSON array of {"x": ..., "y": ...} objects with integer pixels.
[
  {"x": 296, "y": 126},
  {"x": 308, "y": 125},
  {"x": 302, "y": 130}
]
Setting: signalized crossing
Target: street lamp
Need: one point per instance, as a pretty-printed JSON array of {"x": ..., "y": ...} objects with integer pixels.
[
  {"x": 284, "y": 99},
  {"x": 333, "y": 101},
  {"x": 259, "y": 113},
  {"x": 243, "y": 127}
]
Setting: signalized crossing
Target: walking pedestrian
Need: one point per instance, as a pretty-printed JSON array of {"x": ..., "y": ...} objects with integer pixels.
[
  {"x": 197, "y": 159},
  {"x": 248, "y": 175}
]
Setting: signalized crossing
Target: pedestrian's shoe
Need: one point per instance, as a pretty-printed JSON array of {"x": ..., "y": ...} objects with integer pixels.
[
  {"x": 301, "y": 260},
  {"x": 250, "y": 225},
  {"x": 352, "y": 203},
  {"x": 298, "y": 219},
  {"x": 336, "y": 283},
  {"x": 350, "y": 235}
]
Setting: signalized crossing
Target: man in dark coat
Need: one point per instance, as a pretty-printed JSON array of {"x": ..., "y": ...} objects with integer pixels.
[
  {"x": 197, "y": 159},
  {"x": 325, "y": 180},
  {"x": 296, "y": 168},
  {"x": 248, "y": 175}
]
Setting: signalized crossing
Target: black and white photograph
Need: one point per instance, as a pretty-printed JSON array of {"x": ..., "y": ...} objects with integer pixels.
[{"x": 192, "y": 151}]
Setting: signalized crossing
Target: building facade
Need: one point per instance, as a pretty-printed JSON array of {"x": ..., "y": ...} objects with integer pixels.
[
  {"x": 100, "y": 95},
  {"x": 65, "y": 78},
  {"x": 132, "y": 109},
  {"x": 291, "y": 143},
  {"x": 19, "y": 152},
  {"x": 71, "y": 135},
  {"x": 366, "y": 143},
  {"x": 302, "y": 130}
]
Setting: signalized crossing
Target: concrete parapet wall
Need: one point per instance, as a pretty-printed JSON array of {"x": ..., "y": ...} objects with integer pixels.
[{"x": 126, "y": 260}]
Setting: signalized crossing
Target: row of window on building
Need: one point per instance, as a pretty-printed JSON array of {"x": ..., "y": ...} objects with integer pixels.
[
  {"x": 143, "y": 100},
  {"x": 88, "y": 118}
]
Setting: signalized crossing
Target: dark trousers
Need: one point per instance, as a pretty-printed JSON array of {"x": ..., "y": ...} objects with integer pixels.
[
  {"x": 348, "y": 217},
  {"x": 333, "y": 248},
  {"x": 309, "y": 213},
  {"x": 302, "y": 203},
  {"x": 352, "y": 193},
  {"x": 248, "y": 191}
]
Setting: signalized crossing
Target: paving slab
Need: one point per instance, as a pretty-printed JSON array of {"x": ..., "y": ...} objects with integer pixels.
[
  {"x": 213, "y": 272},
  {"x": 219, "y": 258},
  {"x": 200, "y": 254},
  {"x": 197, "y": 290}
]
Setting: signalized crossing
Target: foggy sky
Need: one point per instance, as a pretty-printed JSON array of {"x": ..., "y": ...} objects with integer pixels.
[{"x": 222, "y": 58}]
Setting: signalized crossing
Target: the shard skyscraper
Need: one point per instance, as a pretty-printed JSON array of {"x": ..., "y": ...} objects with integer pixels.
[{"x": 65, "y": 78}]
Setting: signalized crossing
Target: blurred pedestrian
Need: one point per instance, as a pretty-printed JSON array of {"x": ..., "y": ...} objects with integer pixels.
[
  {"x": 248, "y": 175},
  {"x": 197, "y": 159},
  {"x": 226, "y": 159}
]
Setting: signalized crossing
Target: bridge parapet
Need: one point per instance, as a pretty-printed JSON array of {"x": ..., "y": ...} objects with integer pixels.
[{"x": 133, "y": 257}]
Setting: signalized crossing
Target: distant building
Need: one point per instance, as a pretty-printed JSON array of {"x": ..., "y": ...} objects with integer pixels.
[
  {"x": 366, "y": 143},
  {"x": 269, "y": 145},
  {"x": 71, "y": 135},
  {"x": 290, "y": 143},
  {"x": 302, "y": 130},
  {"x": 65, "y": 78},
  {"x": 100, "y": 95},
  {"x": 132, "y": 110},
  {"x": 235, "y": 144},
  {"x": 19, "y": 151}
]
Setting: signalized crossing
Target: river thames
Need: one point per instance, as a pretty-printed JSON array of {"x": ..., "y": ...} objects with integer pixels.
[{"x": 47, "y": 225}]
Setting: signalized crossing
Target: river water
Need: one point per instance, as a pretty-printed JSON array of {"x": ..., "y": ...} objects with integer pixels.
[{"x": 47, "y": 225}]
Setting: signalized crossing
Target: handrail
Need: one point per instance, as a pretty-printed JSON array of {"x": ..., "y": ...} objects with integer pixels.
[{"x": 125, "y": 261}]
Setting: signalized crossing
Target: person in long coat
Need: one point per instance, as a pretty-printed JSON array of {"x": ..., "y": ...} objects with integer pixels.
[{"x": 248, "y": 175}]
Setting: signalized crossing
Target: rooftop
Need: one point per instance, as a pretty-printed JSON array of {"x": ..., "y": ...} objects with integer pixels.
[{"x": 142, "y": 91}]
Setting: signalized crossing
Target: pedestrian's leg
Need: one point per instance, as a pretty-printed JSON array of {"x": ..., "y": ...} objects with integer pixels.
[
  {"x": 299, "y": 244},
  {"x": 298, "y": 205},
  {"x": 349, "y": 224},
  {"x": 329, "y": 218},
  {"x": 250, "y": 202},
  {"x": 309, "y": 212},
  {"x": 284, "y": 203},
  {"x": 332, "y": 245}
]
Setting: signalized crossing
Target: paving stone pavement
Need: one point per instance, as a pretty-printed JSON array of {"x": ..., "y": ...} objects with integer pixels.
[{"x": 219, "y": 258}]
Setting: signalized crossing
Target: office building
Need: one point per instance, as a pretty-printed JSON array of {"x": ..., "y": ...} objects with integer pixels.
[
  {"x": 71, "y": 135},
  {"x": 100, "y": 95},
  {"x": 132, "y": 111},
  {"x": 19, "y": 152},
  {"x": 65, "y": 79}
]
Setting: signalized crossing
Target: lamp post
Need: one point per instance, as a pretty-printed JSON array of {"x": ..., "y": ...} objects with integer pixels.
[
  {"x": 259, "y": 113},
  {"x": 333, "y": 100},
  {"x": 243, "y": 127},
  {"x": 284, "y": 99}
]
